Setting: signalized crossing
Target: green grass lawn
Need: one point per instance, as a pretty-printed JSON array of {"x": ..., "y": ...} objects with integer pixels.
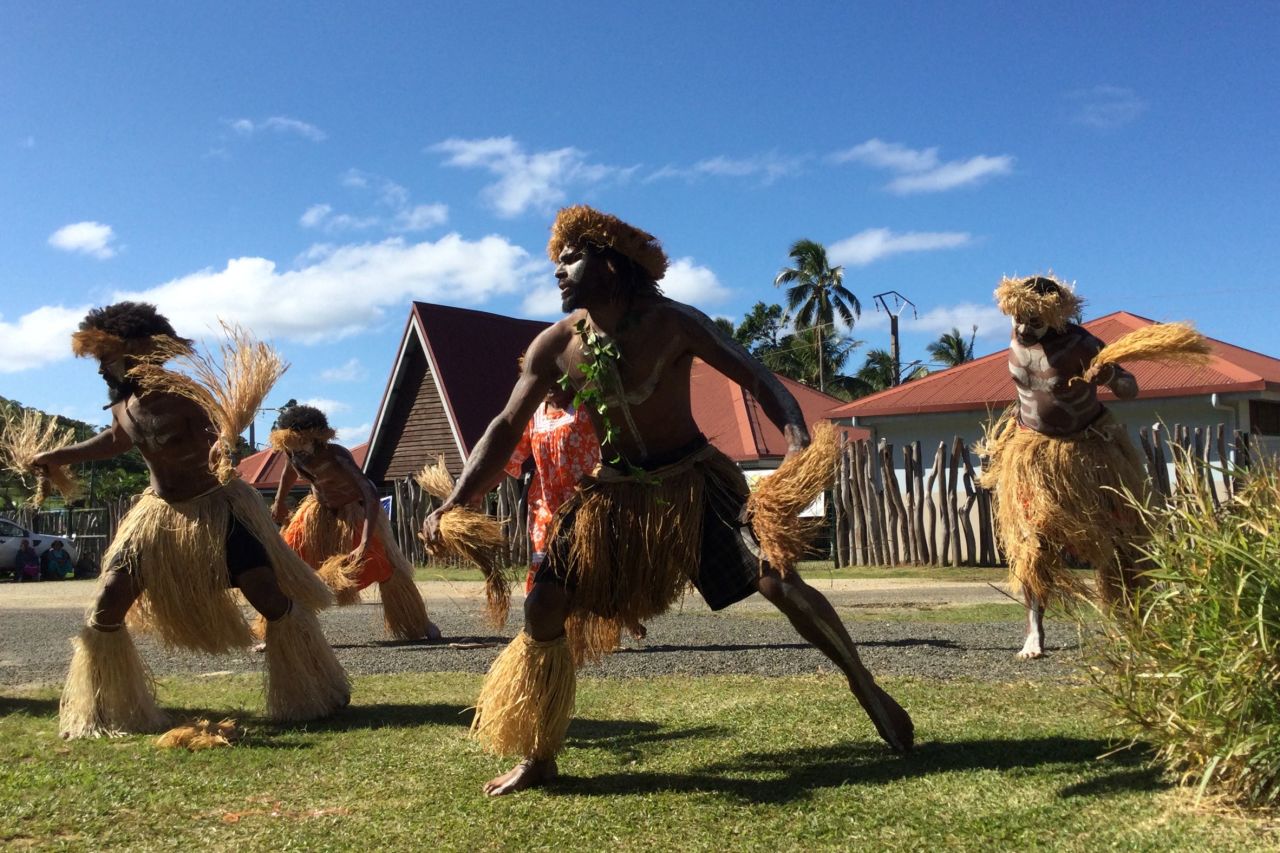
[{"x": 672, "y": 764}]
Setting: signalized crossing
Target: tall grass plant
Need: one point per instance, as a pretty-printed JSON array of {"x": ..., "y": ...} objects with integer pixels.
[{"x": 1190, "y": 663}]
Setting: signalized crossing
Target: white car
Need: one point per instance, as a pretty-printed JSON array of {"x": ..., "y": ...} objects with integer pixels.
[{"x": 12, "y": 534}]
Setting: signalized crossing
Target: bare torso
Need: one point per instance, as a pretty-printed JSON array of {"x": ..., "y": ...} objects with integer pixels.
[
  {"x": 1048, "y": 402},
  {"x": 333, "y": 475},
  {"x": 174, "y": 436},
  {"x": 652, "y": 416}
]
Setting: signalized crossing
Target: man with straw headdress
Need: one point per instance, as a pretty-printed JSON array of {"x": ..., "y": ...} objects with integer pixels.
[
  {"x": 665, "y": 509},
  {"x": 193, "y": 535},
  {"x": 1065, "y": 473},
  {"x": 340, "y": 529}
]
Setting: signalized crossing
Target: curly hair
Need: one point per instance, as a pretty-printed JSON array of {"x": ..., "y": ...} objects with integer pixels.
[
  {"x": 300, "y": 418},
  {"x": 129, "y": 321}
]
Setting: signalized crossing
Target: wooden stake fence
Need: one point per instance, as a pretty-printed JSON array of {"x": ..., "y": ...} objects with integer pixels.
[{"x": 886, "y": 515}]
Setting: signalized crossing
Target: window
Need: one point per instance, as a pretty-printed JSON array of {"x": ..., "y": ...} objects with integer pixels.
[
  {"x": 1264, "y": 417},
  {"x": 7, "y": 529}
]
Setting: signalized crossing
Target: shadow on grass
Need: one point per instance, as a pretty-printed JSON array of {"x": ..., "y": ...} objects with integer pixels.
[
  {"x": 365, "y": 717},
  {"x": 427, "y": 645},
  {"x": 29, "y": 706},
  {"x": 747, "y": 647},
  {"x": 623, "y": 738},
  {"x": 789, "y": 775}
]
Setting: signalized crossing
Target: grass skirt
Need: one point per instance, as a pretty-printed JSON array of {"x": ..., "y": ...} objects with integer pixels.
[
  {"x": 108, "y": 690},
  {"x": 635, "y": 543},
  {"x": 304, "y": 679},
  {"x": 319, "y": 535},
  {"x": 177, "y": 551},
  {"x": 1059, "y": 496},
  {"x": 527, "y": 700}
]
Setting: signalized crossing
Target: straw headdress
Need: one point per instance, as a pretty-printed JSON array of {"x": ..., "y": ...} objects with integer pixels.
[
  {"x": 582, "y": 223},
  {"x": 1043, "y": 296},
  {"x": 300, "y": 439}
]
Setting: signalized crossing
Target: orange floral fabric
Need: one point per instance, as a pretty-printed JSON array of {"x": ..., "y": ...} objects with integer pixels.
[
  {"x": 564, "y": 449},
  {"x": 376, "y": 566}
]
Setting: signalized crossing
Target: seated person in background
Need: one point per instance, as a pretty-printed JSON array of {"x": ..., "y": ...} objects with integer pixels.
[
  {"x": 26, "y": 563},
  {"x": 55, "y": 563}
]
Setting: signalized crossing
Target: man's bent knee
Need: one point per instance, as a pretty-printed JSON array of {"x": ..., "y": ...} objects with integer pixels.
[
  {"x": 263, "y": 593},
  {"x": 545, "y": 609}
]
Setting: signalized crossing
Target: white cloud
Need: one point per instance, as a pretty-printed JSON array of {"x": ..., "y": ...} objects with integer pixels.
[
  {"x": 315, "y": 215},
  {"x": 693, "y": 284},
  {"x": 88, "y": 238},
  {"x": 1105, "y": 107},
  {"x": 420, "y": 217},
  {"x": 350, "y": 371},
  {"x": 321, "y": 216},
  {"x": 920, "y": 170},
  {"x": 888, "y": 155},
  {"x": 768, "y": 167},
  {"x": 38, "y": 338},
  {"x": 404, "y": 217},
  {"x": 542, "y": 301},
  {"x": 279, "y": 124},
  {"x": 342, "y": 290},
  {"x": 949, "y": 176},
  {"x": 874, "y": 244},
  {"x": 351, "y": 436},
  {"x": 526, "y": 181},
  {"x": 324, "y": 404},
  {"x": 964, "y": 316}
]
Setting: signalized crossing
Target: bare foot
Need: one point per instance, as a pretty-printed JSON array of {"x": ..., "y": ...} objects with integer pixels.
[
  {"x": 1031, "y": 649},
  {"x": 891, "y": 720},
  {"x": 529, "y": 773}
]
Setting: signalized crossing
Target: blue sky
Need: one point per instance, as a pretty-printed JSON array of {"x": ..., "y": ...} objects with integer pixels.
[{"x": 307, "y": 171}]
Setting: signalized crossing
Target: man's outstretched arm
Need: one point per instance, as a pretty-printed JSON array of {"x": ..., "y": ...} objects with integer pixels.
[
  {"x": 112, "y": 441},
  {"x": 729, "y": 357}
]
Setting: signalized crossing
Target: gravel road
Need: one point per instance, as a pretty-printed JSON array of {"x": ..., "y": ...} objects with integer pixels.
[{"x": 751, "y": 637}]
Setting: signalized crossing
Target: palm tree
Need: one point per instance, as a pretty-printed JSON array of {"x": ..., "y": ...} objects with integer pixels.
[
  {"x": 816, "y": 293},
  {"x": 951, "y": 348}
]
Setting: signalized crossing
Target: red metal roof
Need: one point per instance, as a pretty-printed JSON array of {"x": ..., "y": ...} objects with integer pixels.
[
  {"x": 731, "y": 418},
  {"x": 264, "y": 469},
  {"x": 985, "y": 382}
]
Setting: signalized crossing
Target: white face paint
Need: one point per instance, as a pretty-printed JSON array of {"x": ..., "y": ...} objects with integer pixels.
[
  {"x": 1029, "y": 330},
  {"x": 578, "y": 275}
]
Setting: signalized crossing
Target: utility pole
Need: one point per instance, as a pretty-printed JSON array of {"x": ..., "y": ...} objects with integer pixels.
[{"x": 899, "y": 302}]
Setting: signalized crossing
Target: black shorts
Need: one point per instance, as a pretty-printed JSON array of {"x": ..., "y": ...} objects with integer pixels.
[
  {"x": 727, "y": 568},
  {"x": 243, "y": 552}
]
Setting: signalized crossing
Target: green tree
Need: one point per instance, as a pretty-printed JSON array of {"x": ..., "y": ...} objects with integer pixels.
[
  {"x": 951, "y": 348},
  {"x": 763, "y": 328},
  {"x": 816, "y": 294},
  {"x": 876, "y": 373}
]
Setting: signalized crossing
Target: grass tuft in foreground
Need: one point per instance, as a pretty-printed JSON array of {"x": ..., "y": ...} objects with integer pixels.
[{"x": 1192, "y": 664}]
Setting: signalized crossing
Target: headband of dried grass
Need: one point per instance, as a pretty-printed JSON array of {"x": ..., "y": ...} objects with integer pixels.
[
  {"x": 1020, "y": 298},
  {"x": 300, "y": 439},
  {"x": 105, "y": 346},
  {"x": 580, "y": 223}
]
